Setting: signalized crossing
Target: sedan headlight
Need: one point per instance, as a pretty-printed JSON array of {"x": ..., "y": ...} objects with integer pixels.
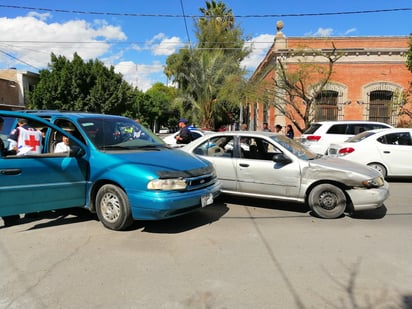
[
  {"x": 167, "y": 184},
  {"x": 373, "y": 183}
]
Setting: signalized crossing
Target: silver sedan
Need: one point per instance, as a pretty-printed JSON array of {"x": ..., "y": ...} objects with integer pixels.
[{"x": 272, "y": 166}]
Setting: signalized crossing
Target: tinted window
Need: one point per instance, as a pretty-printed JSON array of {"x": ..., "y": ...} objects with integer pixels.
[
  {"x": 312, "y": 129},
  {"x": 401, "y": 138},
  {"x": 195, "y": 135},
  {"x": 358, "y": 128},
  {"x": 378, "y": 126},
  {"x": 338, "y": 129}
]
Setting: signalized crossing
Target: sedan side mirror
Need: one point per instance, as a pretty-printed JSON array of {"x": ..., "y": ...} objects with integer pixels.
[{"x": 281, "y": 158}]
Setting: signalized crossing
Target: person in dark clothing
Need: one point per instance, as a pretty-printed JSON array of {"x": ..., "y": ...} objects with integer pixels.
[
  {"x": 184, "y": 136},
  {"x": 289, "y": 131},
  {"x": 8, "y": 220}
]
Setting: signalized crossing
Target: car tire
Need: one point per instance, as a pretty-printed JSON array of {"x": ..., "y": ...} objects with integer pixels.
[
  {"x": 380, "y": 168},
  {"x": 11, "y": 220},
  {"x": 327, "y": 201},
  {"x": 112, "y": 207}
]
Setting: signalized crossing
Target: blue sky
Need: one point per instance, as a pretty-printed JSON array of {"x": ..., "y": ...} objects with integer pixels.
[{"x": 137, "y": 36}]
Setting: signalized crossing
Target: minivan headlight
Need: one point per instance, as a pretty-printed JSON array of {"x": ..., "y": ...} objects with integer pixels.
[
  {"x": 167, "y": 184},
  {"x": 373, "y": 183}
]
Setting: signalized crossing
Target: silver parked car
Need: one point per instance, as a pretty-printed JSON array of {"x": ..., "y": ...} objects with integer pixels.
[{"x": 272, "y": 166}]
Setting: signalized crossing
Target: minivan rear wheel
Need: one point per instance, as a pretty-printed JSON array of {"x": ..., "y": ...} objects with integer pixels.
[{"x": 327, "y": 201}]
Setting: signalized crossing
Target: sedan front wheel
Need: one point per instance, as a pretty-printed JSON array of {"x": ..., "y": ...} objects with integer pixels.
[{"x": 327, "y": 201}]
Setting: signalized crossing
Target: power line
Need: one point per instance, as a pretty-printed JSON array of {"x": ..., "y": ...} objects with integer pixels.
[
  {"x": 198, "y": 16},
  {"x": 15, "y": 58},
  {"x": 184, "y": 18}
]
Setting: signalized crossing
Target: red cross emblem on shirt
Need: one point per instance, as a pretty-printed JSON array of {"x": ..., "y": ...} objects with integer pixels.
[{"x": 32, "y": 142}]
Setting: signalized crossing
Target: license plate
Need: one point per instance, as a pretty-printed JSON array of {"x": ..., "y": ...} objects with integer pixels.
[{"x": 206, "y": 199}]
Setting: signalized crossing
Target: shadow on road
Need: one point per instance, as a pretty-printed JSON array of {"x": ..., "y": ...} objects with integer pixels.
[
  {"x": 265, "y": 203},
  {"x": 374, "y": 214},
  {"x": 183, "y": 223},
  {"x": 58, "y": 217},
  {"x": 174, "y": 225},
  {"x": 189, "y": 221}
]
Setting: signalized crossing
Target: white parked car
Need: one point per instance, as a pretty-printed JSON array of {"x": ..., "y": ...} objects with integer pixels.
[
  {"x": 164, "y": 131},
  {"x": 273, "y": 166},
  {"x": 387, "y": 150},
  {"x": 321, "y": 134},
  {"x": 194, "y": 132}
]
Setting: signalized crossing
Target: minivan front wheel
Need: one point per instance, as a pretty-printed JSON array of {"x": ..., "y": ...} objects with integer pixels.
[
  {"x": 327, "y": 201},
  {"x": 112, "y": 207}
]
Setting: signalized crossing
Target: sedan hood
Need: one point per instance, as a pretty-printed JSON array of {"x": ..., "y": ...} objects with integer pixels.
[{"x": 337, "y": 166}]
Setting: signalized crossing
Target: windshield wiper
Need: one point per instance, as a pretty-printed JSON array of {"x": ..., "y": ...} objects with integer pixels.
[
  {"x": 113, "y": 147},
  {"x": 155, "y": 146}
]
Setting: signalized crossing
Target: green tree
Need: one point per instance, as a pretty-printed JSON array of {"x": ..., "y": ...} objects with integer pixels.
[
  {"x": 158, "y": 106},
  {"x": 203, "y": 72},
  {"x": 81, "y": 86},
  {"x": 409, "y": 54}
]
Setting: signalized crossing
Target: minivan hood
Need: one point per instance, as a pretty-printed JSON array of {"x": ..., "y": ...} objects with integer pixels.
[{"x": 165, "y": 159}]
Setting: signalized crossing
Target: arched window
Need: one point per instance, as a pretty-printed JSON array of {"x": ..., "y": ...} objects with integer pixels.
[
  {"x": 326, "y": 105},
  {"x": 380, "y": 105}
]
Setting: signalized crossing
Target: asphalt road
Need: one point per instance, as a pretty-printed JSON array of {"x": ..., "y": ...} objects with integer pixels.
[{"x": 235, "y": 254}]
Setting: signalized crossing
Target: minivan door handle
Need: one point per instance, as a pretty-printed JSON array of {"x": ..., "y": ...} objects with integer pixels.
[
  {"x": 244, "y": 165},
  {"x": 12, "y": 171}
]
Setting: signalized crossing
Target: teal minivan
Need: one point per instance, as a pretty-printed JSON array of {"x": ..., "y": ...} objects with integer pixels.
[{"x": 115, "y": 167}]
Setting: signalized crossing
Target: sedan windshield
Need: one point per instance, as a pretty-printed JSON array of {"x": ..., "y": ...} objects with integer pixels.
[
  {"x": 119, "y": 133},
  {"x": 294, "y": 147}
]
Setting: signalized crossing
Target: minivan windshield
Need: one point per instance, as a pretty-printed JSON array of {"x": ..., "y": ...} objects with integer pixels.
[{"x": 118, "y": 133}]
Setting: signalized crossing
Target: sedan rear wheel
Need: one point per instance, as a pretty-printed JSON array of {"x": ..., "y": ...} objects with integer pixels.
[
  {"x": 380, "y": 168},
  {"x": 112, "y": 207},
  {"x": 327, "y": 201}
]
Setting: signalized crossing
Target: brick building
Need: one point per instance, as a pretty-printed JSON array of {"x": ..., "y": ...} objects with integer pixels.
[
  {"x": 14, "y": 87},
  {"x": 366, "y": 82}
]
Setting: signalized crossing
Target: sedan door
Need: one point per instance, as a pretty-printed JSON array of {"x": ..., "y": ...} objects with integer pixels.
[
  {"x": 258, "y": 174},
  {"x": 395, "y": 150},
  {"x": 220, "y": 151}
]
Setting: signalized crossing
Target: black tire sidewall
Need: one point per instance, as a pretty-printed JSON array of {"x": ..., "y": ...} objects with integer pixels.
[
  {"x": 125, "y": 219},
  {"x": 323, "y": 213}
]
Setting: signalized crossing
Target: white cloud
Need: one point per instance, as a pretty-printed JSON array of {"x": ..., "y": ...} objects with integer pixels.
[
  {"x": 41, "y": 16},
  {"x": 142, "y": 76},
  {"x": 160, "y": 45},
  {"x": 167, "y": 46},
  {"x": 321, "y": 32},
  {"x": 350, "y": 31},
  {"x": 87, "y": 39},
  {"x": 260, "y": 46}
]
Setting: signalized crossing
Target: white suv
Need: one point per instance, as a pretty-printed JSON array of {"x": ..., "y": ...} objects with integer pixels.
[{"x": 321, "y": 134}]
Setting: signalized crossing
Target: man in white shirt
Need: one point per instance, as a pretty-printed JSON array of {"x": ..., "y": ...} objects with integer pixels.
[{"x": 63, "y": 146}]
